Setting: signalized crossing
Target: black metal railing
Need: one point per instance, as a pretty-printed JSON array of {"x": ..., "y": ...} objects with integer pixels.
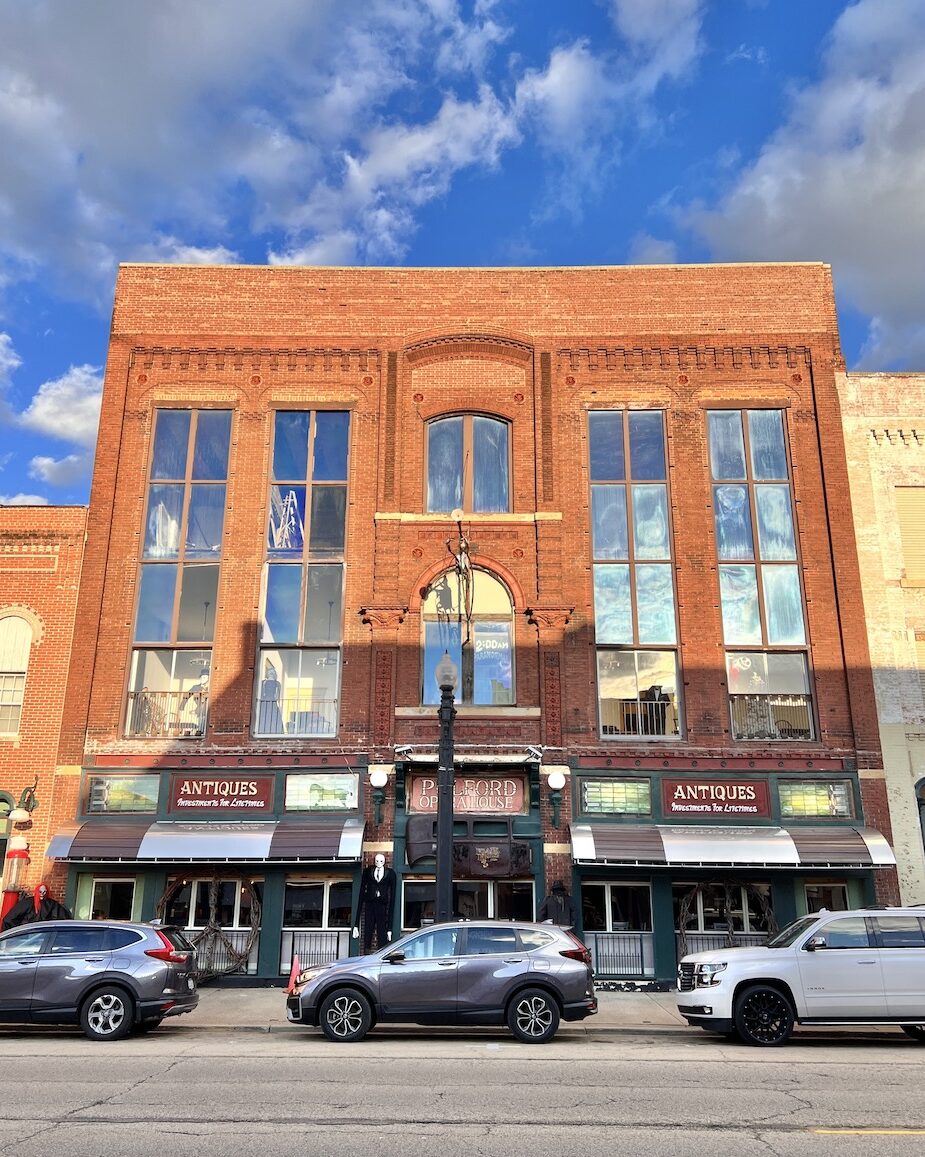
[
  {"x": 629, "y": 954},
  {"x": 639, "y": 717},
  {"x": 167, "y": 714},
  {"x": 776, "y": 717},
  {"x": 313, "y": 946}
]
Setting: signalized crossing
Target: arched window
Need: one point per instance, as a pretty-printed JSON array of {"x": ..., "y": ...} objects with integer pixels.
[
  {"x": 15, "y": 643},
  {"x": 476, "y": 628},
  {"x": 468, "y": 465}
]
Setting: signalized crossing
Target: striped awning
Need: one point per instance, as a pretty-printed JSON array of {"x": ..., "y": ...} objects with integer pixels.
[
  {"x": 658, "y": 845},
  {"x": 291, "y": 840}
]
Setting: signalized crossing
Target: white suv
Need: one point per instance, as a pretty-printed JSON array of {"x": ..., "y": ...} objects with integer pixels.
[{"x": 861, "y": 967}]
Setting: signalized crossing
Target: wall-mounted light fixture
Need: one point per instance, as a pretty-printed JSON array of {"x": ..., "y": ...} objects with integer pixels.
[
  {"x": 378, "y": 778},
  {"x": 556, "y": 781}
]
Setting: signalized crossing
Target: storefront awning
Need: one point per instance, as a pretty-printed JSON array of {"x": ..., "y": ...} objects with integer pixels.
[
  {"x": 656, "y": 845},
  {"x": 295, "y": 840}
]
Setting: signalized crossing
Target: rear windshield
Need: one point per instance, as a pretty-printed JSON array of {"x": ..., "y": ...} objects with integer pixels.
[{"x": 177, "y": 939}]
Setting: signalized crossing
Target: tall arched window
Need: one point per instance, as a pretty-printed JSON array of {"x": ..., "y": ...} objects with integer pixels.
[
  {"x": 468, "y": 465},
  {"x": 476, "y": 629},
  {"x": 15, "y": 643}
]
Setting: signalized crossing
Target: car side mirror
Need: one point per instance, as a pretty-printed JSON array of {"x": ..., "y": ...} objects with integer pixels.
[
  {"x": 814, "y": 942},
  {"x": 395, "y": 957}
]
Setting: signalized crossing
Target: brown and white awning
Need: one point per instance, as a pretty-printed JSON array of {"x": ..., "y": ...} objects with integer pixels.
[
  {"x": 658, "y": 845},
  {"x": 291, "y": 840}
]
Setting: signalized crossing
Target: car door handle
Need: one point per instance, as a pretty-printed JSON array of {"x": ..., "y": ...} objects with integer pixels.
[
  {"x": 30, "y": 960},
  {"x": 513, "y": 960},
  {"x": 447, "y": 963},
  {"x": 93, "y": 959},
  {"x": 865, "y": 962}
]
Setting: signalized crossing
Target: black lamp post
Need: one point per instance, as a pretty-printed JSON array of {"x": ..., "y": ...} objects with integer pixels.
[{"x": 447, "y": 675}]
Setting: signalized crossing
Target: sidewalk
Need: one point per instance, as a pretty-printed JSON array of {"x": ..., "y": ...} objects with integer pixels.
[{"x": 264, "y": 1010}]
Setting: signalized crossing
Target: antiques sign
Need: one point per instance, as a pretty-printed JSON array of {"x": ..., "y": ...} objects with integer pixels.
[
  {"x": 715, "y": 797},
  {"x": 498, "y": 794},
  {"x": 221, "y": 793}
]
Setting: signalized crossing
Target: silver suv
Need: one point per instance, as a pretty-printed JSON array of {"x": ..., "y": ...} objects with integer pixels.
[
  {"x": 528, "y": 976},
  {"x": 109, "y": 977},
  {"x": 861, "y": 967}
]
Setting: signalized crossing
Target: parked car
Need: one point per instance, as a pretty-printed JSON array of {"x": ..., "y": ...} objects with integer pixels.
[
  {"x": 861, "y": 967},
  {"x": 527, "y": 976},
  {"x": 110, "y": 977}
]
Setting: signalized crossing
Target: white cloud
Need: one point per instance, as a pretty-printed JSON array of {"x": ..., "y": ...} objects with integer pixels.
[
  {"x": 843, "y": 180},
  {"x": 9, "y": 359},
  {"x": 665, "y": 33},
  {"x": 67, "y": 471},
  {"x": 745, "y": 52},
  {"x": 648, "y": 250},
  {"x": 22, "y": 500},
  {"x": 67, "y": 407}
]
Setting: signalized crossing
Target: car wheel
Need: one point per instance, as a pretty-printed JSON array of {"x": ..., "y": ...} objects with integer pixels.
[
  {"x": 148, "y": 1025},
  {"x": 763, "y": 1016},
  {"x": 107, "y": 1014},
  {"x": 533, "y": 1016},
  {"x": 346, "y": 1015},
  {"x": 916, "y": 1031}
]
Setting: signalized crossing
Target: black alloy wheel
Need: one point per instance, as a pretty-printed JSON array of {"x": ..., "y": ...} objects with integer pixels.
[
  {"x": 345, "y": 1016},
  {"x": 763, "y": 1016},
  {"x": 916, "y": 1031},
  {"x": 533, "y": 1016}
]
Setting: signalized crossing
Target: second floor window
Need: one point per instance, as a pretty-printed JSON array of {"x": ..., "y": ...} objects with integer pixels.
[
  {"x": 15, "y": 644},
  {"x": 178, "y": 580},
  {"x": 634, "y": 601},
  {"x": 298, "y": 679},
  {"x": 468, "y": 465}
]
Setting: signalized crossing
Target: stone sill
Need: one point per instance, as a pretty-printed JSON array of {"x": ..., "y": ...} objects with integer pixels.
[{"x": 468, "y": 712}]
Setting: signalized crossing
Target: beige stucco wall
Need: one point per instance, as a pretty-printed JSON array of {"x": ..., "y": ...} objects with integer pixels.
[{"x": 884, "y": 422}]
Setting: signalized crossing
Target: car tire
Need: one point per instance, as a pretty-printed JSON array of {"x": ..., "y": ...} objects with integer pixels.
[
  {"x": 107, "y": 1014},
  {"x": 916, "y": 1031},
  {"x": 763, "y": 1016},
  {"x": 345, "y": 1016},
  {"x": 533, "y": 1016},
  {"x": 144, "y": 1026}
]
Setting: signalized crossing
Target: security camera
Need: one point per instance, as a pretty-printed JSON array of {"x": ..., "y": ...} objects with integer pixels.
[
  {"x": 403, "y": 750},
  {"x": 535, "y": 753}
]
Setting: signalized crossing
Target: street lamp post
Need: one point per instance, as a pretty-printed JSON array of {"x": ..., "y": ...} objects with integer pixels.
[{"x": 447, "y": 675}]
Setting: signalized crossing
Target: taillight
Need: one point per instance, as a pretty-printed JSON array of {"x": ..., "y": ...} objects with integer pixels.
[
  {"x": 167, "y": 952},
  {"x": 579, "y": 952}
]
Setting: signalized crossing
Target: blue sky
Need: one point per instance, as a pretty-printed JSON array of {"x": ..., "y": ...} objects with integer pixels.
[{"x": 439, "y": 132}]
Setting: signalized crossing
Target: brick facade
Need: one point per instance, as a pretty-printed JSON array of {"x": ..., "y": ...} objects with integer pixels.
[{"x": 536, "y": 348}]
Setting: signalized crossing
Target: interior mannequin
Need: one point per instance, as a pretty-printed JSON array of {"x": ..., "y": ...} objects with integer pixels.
[
  {"x": 376, "y": 904},
  {"x": 558, "y": 907}
]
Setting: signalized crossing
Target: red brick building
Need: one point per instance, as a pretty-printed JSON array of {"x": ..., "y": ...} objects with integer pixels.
[
  {"x": 41, "y": 549},
  {"x": 616, "y": 497}
]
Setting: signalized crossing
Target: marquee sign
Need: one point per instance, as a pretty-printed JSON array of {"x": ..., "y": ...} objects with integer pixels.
[
  {"x": 241, "y": 794},
  {"x": 738, "y": 798},
  {"x": 491, "y": 794}
]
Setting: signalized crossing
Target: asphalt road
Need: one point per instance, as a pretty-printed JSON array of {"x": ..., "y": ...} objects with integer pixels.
[{"x": 417, "y": 1093}]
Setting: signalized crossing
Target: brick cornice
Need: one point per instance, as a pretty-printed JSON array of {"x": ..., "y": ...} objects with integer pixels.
[
  {"x": 327, "y": 359},
  {"x": 484, "y": 345},
  {"x": 689, "y": 357}
]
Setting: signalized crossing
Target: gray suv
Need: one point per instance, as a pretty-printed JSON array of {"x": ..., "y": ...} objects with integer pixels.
[
  {"x": 527, "y": 976},
  {"x": 109, "y": 977}
]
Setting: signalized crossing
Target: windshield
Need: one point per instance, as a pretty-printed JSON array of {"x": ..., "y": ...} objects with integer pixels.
[{"x": 792, "y": 932}]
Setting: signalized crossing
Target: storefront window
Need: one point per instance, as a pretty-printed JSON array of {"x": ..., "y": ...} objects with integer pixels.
[
  {"x": 717, "y": 907},
  {"x": 122, "y": 793},
  {"x": 472, "y": 900},
  {"x": 326, "y": 904},
  {"x": 616, "y": 907},
  {"x": 815, "y": 798},
  {"x": 190, "y": 906},
  {"x": 616, "y": 796}
]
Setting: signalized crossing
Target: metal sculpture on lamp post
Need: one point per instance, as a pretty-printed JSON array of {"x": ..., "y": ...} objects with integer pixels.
[{"x": 447, "y": 676}]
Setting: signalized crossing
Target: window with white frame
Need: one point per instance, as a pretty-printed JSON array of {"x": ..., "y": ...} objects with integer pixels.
[
  {"x": 635, "y": 621},
  {"x": 620, "y": 907},
  {"x": 298, "y": 674},
  {"x": 15, "y": 645},
  {"x": 759, "y": 576}
]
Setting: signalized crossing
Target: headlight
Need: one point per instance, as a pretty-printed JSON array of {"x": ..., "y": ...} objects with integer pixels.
[
  {"x": 309, "y": 974},
  {"x": 708, "y": 974}
]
